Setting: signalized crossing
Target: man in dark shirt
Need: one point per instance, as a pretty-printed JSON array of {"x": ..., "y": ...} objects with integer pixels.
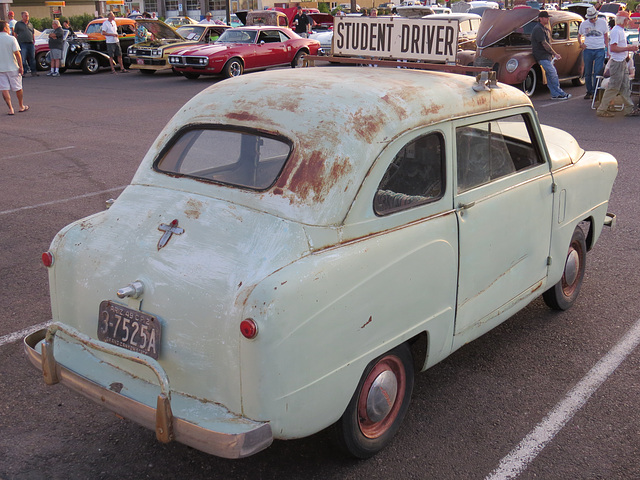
[
  {"x": 25, "y": 34},
  {"x": 546, "y": 56},
  {"x": 56, "y": 41},
  {"x": 301, "y": 22}
]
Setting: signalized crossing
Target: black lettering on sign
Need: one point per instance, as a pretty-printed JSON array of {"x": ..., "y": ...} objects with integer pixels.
[
  {"x": 404, "y": 39},
  {"x": 340, "y": 36}
]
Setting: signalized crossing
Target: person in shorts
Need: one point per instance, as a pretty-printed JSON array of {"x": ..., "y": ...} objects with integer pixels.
[
  {"x": 11, "y": 68},
  {"x": 110, "y": 31},
  {"x": 56, "y": 40}
]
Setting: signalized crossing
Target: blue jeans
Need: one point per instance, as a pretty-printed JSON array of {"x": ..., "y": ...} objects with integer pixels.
[
  {"x": 553, "y": 82},
  {"x": 593, "y": 66},
  {"x": 28, "y": 51}
]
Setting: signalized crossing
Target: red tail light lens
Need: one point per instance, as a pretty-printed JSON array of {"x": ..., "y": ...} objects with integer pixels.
[
  {"x": 47, "y": 259},
  {"x": 248, "y": 328}
]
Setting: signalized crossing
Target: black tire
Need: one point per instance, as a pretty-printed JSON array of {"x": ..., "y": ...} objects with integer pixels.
[
  {"x": 191, "y": 76},
  {"x": 146, "y": 71},
  {"x": 531, "y": 82},
  {"x": 233, "y": 68},
  {"x": 564, "y": 293},
  {"x": 90, "y": 64},
  {"x": 298, "y": 59},
  {"x": 366, "y": 426},
  {"x": 41, "y": 62}
]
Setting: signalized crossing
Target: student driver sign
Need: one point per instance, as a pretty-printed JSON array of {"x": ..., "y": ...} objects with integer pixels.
[{"x": 396, "y": 38}]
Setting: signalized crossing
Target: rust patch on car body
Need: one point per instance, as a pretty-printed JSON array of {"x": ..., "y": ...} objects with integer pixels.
[
  {"x": 243, "y": 117},
  {"x": 367, "y": 322},
  {"x": 193, "y": 209}
]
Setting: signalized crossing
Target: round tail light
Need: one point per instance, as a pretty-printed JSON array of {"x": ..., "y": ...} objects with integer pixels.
[
  {"x": 248, "y": 328},
  {"x": 47, "y": 259}
]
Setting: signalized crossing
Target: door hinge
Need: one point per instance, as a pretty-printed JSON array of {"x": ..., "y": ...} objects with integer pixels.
[{"x": 548, "y": 260}]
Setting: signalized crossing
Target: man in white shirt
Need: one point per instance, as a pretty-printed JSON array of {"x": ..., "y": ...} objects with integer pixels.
[
  {"x": 619, "y": 79},
  {"x": 110, "y": 32},
  {"x": 593, "y": 36},
  {"x": 11, "y": 68},
  {"x": 208, "y": 19}
]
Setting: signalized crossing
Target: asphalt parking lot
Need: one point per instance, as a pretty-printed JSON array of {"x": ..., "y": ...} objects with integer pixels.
[{"x": 546, "y": 395}]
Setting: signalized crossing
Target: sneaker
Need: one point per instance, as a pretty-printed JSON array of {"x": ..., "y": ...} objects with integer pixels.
[
  {"x": 56, "y": 74},
  {"x": 634, "y": 113},
  {"x": 606, "y": 113},
  {"x": 50, "y": 74},
  {"x": 564, "y": 96},
  {"x": 588, "y": 96}
]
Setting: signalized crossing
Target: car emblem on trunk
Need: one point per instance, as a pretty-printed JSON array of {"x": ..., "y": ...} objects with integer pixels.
[{"x": 168, "y": 231}]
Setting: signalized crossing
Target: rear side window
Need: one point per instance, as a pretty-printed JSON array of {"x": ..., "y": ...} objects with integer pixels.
[
  {"x": 240, "y": 158},
  {"x": 415, "y": 176}
]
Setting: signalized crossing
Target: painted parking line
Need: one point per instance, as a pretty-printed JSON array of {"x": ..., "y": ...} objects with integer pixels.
[
  {"x": 520, "y": 457},
  {"x": 62, "y": 200},
  {"x": 16, "y": 336},
  {"x": 38, "y": 153}
]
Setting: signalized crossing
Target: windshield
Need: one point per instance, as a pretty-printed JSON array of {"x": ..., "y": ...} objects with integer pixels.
[
  {"x": 239, "y": 158},
  {"x": 191, "y": 32},
  {"x": 237, "y": 35},
  {"x": 94, "y": 28}
]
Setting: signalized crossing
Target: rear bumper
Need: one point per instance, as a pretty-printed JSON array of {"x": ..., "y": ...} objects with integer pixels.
[{"x": 206, "y": 426}]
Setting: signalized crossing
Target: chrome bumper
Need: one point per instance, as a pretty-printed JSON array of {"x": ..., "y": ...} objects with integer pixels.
[
  {"x": 237, "y": 437},
  {"x": 610, "y": 220}
]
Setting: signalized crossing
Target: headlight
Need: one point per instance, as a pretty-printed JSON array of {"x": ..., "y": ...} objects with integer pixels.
[
  {"x": 156, "y": 52},
  {"x": 73, "y": 48},
  {"x": 511, "y": 65},
  {"x": 85, "y": 46},
  {"x": 130, "y": 50}
]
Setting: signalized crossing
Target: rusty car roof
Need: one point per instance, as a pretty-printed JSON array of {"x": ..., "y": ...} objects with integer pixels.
[
  {"x": 497, "y": 24},
  {"x": 338, "y": 119}
]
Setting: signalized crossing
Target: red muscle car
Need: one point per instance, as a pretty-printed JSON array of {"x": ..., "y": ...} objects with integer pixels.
[{"x": 244, "y": 49}]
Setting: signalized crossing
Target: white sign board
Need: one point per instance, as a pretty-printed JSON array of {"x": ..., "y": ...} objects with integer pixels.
[{"x": 396, "y": 38}]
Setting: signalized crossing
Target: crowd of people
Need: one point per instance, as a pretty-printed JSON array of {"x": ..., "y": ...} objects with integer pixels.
[
  {"x": 595, "y": 40},
  {"x": 17, "y": 53}
]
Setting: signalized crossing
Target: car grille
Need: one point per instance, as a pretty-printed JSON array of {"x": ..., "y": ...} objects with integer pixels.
[
  {"x": 483, "y": 62},
  {"x": 141, "y": 51},
  {"x": 189, "y": 61}
]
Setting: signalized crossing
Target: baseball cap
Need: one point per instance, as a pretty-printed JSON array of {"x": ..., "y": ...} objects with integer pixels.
[
  {"x": 11, "y": 13},
  {"x": 591, "y": 13},
  {"x": 543, "y": 14},
  {"x": 623, "y": 13}
]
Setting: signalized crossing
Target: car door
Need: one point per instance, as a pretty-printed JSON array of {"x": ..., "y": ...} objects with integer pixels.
[
  {"x": 564, "y": 40},
  {"x": 272, "y": 49},
  {"x": 504, "y": 205}
]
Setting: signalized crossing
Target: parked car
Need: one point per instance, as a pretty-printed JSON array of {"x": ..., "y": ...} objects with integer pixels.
[
  {"x": 244, "y": 49},
  {"x": 151, "y": 56},
  {"x": 90, "y": 50},
  {"x": 283, "y": 268},
  {"x": 504, "y": 44},
  {"x": 176, "y": 22},
  {"x": 468, "y": 24}
]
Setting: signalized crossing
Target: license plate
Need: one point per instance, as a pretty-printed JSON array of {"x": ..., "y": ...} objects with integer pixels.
[
  {"x": 140, "y": 61},
  {"x": 131, "y": 329}
]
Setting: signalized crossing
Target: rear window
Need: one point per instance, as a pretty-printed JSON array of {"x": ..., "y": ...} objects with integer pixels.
[{"x": 240, "y": 158}]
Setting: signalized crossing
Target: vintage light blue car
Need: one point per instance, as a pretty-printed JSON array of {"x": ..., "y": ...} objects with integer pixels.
[{"x": 275, "y": 269}]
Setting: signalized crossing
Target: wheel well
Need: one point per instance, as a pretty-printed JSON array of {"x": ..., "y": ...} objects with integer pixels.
[
  {"x": 419, "y": 346},
  {"x": 235, "y": 58},
  {"x": 587, "y": 228}
]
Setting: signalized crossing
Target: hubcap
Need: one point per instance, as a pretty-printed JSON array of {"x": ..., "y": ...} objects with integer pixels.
[
  {"x": 572, "y": 267},
  {"x": 382, "y": 396}
]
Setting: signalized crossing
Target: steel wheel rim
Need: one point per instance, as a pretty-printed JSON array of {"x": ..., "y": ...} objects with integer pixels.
[
  {"x": 387, "y": 368},
  {"x": 235, "y": 69},
  {"x": 571, "y": 270}
]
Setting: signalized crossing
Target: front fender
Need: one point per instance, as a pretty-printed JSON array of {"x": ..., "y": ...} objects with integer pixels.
[
  {"x": 102, "y": 57},
  {"x": 525, "y": 63}
]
